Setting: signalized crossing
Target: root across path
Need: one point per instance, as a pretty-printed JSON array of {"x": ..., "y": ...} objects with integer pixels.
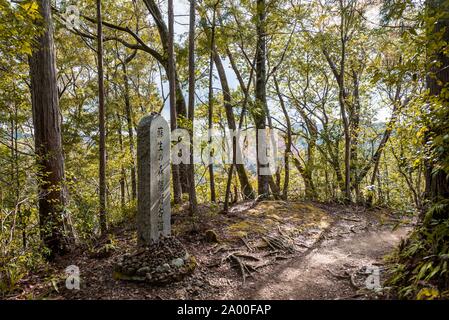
[
  {"x": 269, "y": 250},
  {"x": 331, "y": 269}
]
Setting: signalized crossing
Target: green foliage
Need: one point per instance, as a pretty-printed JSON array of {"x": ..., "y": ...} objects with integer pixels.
[
  {"x": 17, "y": 30},
  {"x": 420, "y": 265},
  {"x": 378, "y": 62},
  {"x": 421, "y": 262}
]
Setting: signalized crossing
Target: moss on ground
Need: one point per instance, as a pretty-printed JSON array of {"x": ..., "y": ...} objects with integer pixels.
[{"x": 293, "y": 217}]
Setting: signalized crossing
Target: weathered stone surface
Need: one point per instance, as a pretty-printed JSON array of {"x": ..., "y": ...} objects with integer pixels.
[
  {"x": 156, "y": 264},
  {"x": 143, "y": 271},
  {"x": 153, "y": 160},
  {"x": 178, "y": 262},
  {"x": 159, "y": 258}
]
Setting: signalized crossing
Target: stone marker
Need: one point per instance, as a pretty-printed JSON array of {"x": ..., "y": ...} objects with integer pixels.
[
  {"x": 153, "y": 198},
  {"x": 156, "y": 260}
]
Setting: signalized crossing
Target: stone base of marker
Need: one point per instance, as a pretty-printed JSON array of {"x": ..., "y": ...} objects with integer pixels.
[{"x": 161, "y": 263}]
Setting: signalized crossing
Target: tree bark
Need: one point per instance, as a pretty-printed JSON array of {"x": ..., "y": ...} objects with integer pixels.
[
  {"x": 122, "y": 168},
  {"x": 374, "y": 161},
  {"x": 166, "y": 36},
  {"x": 101, "y": 121},
  {"x": 130, "y": 127},
  {"x": 210, "y": 113},
  {"x": 177, "y": 190},
  {"x": 354, "y": 116},
  {"x": 246, "y": 188},
  {"x": 191, "y": 114},
  {"x": 288, "y": 146},
  {"x": 307, "y": 169},
  {"x": 437, "y": 183},
  {"x": 259, "y": 112},
  {"x": 245, "y": 89},
  {"x": 339, "y": 74},
  {"x": 47, "y": 135}
]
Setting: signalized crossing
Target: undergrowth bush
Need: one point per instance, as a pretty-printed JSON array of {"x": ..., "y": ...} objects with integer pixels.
[{"x": 420, "y": 265}]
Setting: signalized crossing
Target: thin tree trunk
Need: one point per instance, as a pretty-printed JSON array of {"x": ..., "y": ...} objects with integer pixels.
[
  {"x": 377, "y": 155},
  {"x": 101, "y": 120},
  {"x": 210, "y": 115},
  {"x": 288, "y": 147},
  {"x": 310, "y": 191},
  {"x": 274, "y": 185},
  {"x": 122, "y": 168},
  {"x": 191, "y": 114},
  {"x": 234, "y": 142},
  {"x": 130, "y": 127},
  {"x": 339, "y": 74},
  {"x": 354, "y": 115},
  {"x": 329, "y": 187},
  {"x": 278, "y": 178},
  {"x": 247, "y": 189},
  {"x": 260, "y": 96},
  {"x": 370, "y": 198},
  {"x": 15, "y": 171},
  {"x": 173, "y": 114}
]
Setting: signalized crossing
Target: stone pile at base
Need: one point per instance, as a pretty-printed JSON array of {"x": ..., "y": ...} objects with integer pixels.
[{"x": 160, "y": 263}]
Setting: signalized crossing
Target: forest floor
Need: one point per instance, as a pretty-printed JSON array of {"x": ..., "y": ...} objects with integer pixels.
[{"x": 263, "y": 250}]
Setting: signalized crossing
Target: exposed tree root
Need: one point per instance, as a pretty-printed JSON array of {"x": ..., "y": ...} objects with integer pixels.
[
  {"x": 246, "y": 244},
  {"x": 352, "y": 281},
  {"x": 280, "y": 242},
  {"x": 346, "y": 275},
  {"x": 246, "y": 270}
]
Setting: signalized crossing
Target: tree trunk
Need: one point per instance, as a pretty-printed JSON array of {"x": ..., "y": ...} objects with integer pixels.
[
  {"x": 210, "y": 114},
  {"x": 246, "y": 188},
  {"x": 354, "y": 116},
  {"x": 288, "y": 146},
  {"x": 310, "y": 191},
  {"x": 259, "y": 112},
  {"x": 191, "y": 115},
  {"x": 339, "y": 74},
  {"x": 166, "y": 36},
  {"x": 173, "y": 114},
  {"x": 130, "y": 127},
  {"x": 245, "y": 89},
  {"x": 377, "y": 155},
  {"x": 274, "y": 184},
  {"x": 437, "y": 184},
  {"x": 101, "y": 121},
  {"x": 122, "y": 168},
  {"x": 47, "y": 135}
]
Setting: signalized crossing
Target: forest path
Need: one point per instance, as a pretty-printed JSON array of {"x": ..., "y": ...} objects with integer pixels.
[
  {"x": 335, "y": 267},
  {"x": 334, "y": 245}
]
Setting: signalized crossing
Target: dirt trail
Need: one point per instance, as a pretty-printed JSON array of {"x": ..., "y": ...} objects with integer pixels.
[
  {"x": 335, "y": 267},
  {"x": 334, "y": 245}
]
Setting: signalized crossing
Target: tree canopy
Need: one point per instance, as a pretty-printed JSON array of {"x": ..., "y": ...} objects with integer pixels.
[{"x": 357, "y": 91}]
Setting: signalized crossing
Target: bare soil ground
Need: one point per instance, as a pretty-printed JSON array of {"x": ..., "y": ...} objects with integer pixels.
[
  {"x": 336, "y": 267},
  {"x": 265, "y": 250}
]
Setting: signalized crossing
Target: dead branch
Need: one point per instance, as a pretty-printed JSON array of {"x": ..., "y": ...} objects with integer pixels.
[
  {"x": 338, "y": 276},
  {"x": 351, "y": 219},
  {"x": 247, "y": 256}
]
